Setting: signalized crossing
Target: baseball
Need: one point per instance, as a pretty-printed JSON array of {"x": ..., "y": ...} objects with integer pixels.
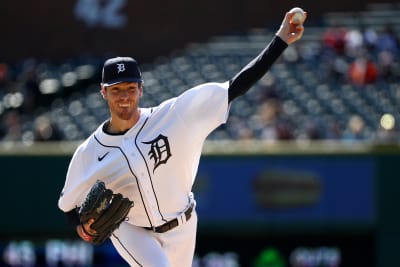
[{"x": 299, "y": 15}]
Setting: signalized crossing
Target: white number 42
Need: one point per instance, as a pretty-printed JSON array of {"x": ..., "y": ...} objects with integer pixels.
[{"x": 101, "y": 13}]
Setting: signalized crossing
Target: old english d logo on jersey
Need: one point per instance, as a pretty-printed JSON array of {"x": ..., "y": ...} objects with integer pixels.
[{"x": 160, "y": 150}]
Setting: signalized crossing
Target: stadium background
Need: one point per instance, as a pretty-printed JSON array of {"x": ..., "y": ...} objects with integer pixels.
[
  {"x": 53, "y": 30},
  {"x": 301, "y": 202}
]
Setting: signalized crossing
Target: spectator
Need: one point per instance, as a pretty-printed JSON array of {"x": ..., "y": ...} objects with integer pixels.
[
  {"x": 12, "y": 126},
  {"x": 272, "y": 124},
  {"x": 355, "y": 129},
  {"x": 370, "y": 37},
  {"x": 354, "y": 41},
  {"x": 386, "y": 66},
  {"x": 334, "y": 39},
  {"x": 363, "y": 70},
  {"x": 388, "y": 41},
  {"x": 45, "y": 130}
]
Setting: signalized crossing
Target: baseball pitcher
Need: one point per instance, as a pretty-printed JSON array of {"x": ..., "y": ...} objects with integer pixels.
[{"x": 131, "y": 179}]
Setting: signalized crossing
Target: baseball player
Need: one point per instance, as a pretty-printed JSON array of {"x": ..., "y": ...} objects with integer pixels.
[{"x": 151, "y": 155}]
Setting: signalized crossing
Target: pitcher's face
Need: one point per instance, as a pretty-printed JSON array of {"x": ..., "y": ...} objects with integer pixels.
[{"x": 123, "y": 99}]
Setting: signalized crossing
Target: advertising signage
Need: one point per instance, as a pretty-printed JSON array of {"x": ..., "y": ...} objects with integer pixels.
[{"x": 276, "y": 190}]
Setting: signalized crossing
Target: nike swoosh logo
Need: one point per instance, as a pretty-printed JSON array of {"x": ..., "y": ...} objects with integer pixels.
[{"x": 102, "y": 157}]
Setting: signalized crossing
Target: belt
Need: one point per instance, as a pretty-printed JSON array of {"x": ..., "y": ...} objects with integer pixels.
[{"x": 171, "y": 224}]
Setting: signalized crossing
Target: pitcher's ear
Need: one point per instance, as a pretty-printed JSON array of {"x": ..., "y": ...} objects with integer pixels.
[
  {"x": 141, "y": 89},
  {"x": 103, "y": 91}
]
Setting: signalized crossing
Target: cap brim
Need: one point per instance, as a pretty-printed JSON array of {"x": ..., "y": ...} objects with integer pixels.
[{"x": 114, "y": 82}]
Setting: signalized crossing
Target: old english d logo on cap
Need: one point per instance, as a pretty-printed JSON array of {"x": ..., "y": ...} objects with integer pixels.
[{"x": 120, "y": 69}]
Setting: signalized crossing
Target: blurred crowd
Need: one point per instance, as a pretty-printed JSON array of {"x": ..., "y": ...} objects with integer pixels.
[
  {"x": 363, "y": 55},
  {"x": 357, "y": 57},
  {"x": 27, "y": 91}
]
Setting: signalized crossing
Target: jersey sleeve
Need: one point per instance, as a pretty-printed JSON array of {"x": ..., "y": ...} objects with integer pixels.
[
  {"x": 73, "y": 190},
  {"x": 204, "y": 107}
]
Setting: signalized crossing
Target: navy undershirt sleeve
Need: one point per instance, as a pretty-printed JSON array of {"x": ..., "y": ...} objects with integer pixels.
[{"x": 250, "y": 74}]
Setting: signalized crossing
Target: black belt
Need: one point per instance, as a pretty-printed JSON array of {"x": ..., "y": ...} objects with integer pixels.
[{"x": 171, "y": 224}]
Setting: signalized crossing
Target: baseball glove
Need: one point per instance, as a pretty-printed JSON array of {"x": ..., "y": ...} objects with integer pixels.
[{"x": 107, "y": 209}]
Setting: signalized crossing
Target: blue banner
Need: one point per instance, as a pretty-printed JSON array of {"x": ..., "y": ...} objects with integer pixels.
[{"x": 289, "y": 189}]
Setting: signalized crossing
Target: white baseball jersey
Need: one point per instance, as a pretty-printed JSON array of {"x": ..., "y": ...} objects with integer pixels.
[{"x": 155, "y": 162}]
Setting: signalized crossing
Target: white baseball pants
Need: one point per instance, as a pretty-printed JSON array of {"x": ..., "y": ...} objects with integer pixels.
[{"x": 145, "y": 248}]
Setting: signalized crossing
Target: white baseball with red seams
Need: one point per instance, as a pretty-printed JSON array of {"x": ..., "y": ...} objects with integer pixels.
[{"x": 299, "y": 15}]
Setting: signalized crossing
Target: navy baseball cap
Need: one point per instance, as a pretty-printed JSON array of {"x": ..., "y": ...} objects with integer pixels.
[{"x": 120, "y": 69}]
